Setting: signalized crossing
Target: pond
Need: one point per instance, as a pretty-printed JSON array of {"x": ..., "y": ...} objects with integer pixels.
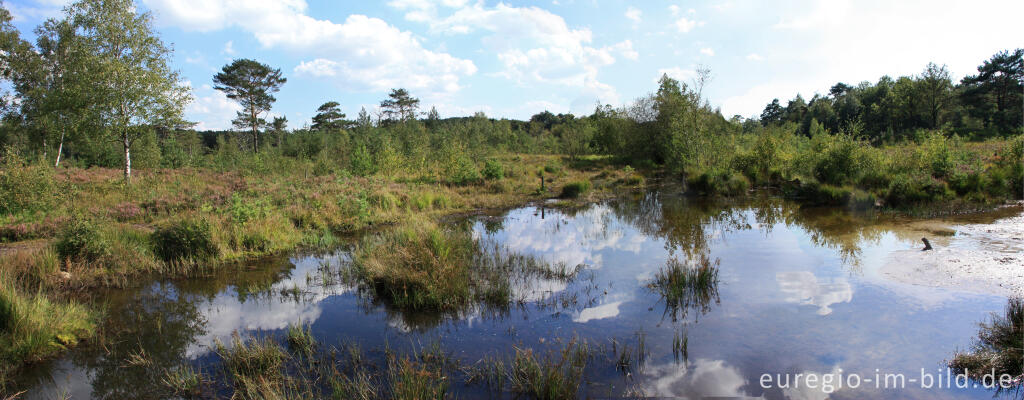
[{"x": 799, "y": 291}]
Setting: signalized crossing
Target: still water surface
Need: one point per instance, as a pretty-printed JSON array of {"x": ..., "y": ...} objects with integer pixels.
[{"x": 799, "y": 292}]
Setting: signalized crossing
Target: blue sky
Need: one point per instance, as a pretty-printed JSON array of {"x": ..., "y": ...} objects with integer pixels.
[{"x": 516, "y": 58}]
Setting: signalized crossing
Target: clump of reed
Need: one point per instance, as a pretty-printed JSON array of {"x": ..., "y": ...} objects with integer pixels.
[
  {"x": 555, "y": 375},
  {"x": 418, "y": 266},
  {"x": 421, "y": 266},
  {"x": 685, "y": 286},
  {"x": 999, "y": 347},
  {"x": 254, "y": 366}
]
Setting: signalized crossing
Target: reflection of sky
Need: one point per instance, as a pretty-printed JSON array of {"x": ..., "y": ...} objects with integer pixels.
[
  {"x": 700, "y": 379},
  {"x": 225, "y": 314},
  {"x": 804, "y": 288},
  {"x": 776, "y": 286}
]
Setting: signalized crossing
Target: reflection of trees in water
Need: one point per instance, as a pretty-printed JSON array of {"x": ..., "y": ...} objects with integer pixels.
[
  {"x": 690, "y": 225},
  {"x": 156, "y": 325},
  {"x": 146, "y": 332}
]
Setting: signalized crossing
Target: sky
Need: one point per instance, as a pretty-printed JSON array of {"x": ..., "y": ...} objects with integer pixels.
[{"x": 514, "y": 59}]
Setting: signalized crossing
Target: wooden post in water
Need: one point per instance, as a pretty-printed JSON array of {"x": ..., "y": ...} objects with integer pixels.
[{"x": 542, "y": 181}]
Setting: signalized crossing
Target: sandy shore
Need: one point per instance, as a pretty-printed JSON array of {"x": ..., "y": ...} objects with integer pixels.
[{"x": 979, "y": 258}]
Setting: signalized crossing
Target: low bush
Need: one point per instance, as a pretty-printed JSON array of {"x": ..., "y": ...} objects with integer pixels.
[
  {"x": 493, "y": 170},
  {"x": 908, "y": 190},
  {"x": 26, "y": 188},
  {"x": 574, "y": 190},
  {"x": 81, "y": 241},
  {"x": 184, "y": 239},
  {"x": 720, "y": 182}
]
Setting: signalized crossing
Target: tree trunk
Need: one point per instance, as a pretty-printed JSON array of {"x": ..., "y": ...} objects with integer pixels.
[
  {"x": 255, "y": 141},
  {"x": 60, "y": 148},
  {"x": 127, "y": 159}
]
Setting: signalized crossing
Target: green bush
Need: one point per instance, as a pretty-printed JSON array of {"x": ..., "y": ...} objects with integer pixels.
[
  {"x": 26, "y": 188},
  {"x": 81, "y": 241},
  {"x": 843, "y": 161},
  {"x": 720, "y": 182},
  {"x": 907, "y": 190},
  {"x": 493, "y": 170},
  {"x": 184, "y": 239},
  {"x": 573, "y": 190},
  {"x": 461, "y": 171}
]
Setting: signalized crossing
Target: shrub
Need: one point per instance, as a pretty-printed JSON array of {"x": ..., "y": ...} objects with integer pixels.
[
  {"x": 493, "y": 170},
  {"x": 26, "y": 188},
  {"x": 573, "y": 190},
  {"x": 81, "y": 241},
  {"x": 184, "y": 239},
  {"x": 906, "y": 189},
  {"x": 243, "y": 210},
  {"x": 720, "y": 182},
  {"x": 843, "y": 161}
]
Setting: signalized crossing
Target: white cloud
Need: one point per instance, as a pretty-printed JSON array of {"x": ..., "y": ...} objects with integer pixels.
[
  {"x": 674, "y": 10},
  {"x": 625, "y": 49},
  {"x": 211, "y": 108},
  {"x": 367, "y": 53},
  {"x": 707, "y": 51},
  {"x": 423, "y": 10},
  {"x": 754, "y": 57},
  {"x": 805, "y": 288},
  {"x": 229, "y": 48},
  {"x": 634, "y": 14},
  {"x": 685, "y": 25},
  {"x": 536, "y": 46}
]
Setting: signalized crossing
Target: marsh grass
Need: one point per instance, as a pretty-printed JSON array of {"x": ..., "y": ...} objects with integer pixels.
[
  {"x": 184, "y": 381},
  {"x": 556, "y": 375},
  {"x": 999, "y": 347},
  {"x": 300, "y": 339},
  {"x": 254, "y": 366},
  {"x": 422, "y": 266},
  {"x": 34, "y": 328},
  {"x": 685, "y": 286}
]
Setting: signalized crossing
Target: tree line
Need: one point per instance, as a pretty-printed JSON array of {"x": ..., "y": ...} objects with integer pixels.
[{"x": 981, "y": 105}]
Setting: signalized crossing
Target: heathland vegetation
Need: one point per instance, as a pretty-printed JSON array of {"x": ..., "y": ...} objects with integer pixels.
[{"x": 103, "y": 181}]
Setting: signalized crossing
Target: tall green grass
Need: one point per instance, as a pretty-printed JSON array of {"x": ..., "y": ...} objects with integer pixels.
[{"x": 34, "y": 328}]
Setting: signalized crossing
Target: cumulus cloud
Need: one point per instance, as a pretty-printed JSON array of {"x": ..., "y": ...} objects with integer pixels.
[
  {"x": 423, "y": 10},
  {"x": 707, "y": 51},
  {"x": 212, "y": 109},
  {"x": 535, "y": 46},
  {"x": 685, "y": 25},
  {"x": 634, "y": 14},
  {"x": 364, "y": 53},
  {"x": 754, "y": 57}
]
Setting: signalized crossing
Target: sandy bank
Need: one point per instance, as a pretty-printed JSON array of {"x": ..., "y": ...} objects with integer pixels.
[{"x": 979, "y": 258}]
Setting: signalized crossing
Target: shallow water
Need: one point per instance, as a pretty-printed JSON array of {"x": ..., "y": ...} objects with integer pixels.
[{"x": 799, "y": 292}]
